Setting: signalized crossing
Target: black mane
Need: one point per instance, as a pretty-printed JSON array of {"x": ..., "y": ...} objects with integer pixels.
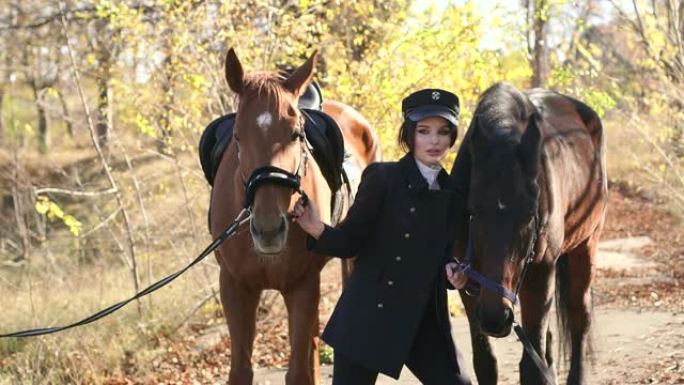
[{"x": 502, "y": 113}]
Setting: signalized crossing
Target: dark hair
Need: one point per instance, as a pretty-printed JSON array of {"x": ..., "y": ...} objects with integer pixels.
[{"x": 407, "y": 134}]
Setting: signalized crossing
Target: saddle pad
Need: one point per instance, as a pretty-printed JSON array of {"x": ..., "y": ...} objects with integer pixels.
[
  {"x": 213, "y": 143},
  {"x": 327, "y": 144}
]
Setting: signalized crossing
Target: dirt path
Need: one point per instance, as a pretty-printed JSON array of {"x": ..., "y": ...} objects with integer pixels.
[{"x": 627, "y": 343}]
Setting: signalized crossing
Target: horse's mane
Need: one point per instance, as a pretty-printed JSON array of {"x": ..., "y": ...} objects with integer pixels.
[
  {"x": 266, "y": 84},
  {"x": 500, "y": 111}
]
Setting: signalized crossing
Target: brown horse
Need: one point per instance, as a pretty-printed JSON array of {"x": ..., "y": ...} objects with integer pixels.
[
  {"x": 533, "y": 166},
  {"x": 272, "y": 255}
]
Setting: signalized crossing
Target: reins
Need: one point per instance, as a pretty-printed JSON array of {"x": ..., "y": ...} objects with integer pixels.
[{"x": 227, "y": 233}]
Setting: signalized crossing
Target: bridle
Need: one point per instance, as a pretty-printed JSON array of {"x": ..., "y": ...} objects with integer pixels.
[
  {"x": 276, "y": 175},
  {"x": 467, "y": 269}
]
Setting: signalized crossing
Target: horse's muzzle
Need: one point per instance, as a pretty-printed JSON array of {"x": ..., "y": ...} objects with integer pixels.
[
  {"x": 496, "y": 323},
  {"x": 269, "y": 238}
]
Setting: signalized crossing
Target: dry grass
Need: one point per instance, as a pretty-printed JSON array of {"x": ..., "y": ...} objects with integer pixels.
[
  {"x": 66, "y": 278},
  {"x": 88, "y": 354},
  {"x": 639, "y": 159}
]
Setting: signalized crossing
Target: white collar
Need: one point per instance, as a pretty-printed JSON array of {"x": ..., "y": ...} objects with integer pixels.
[{"x": 429, "y": 173}]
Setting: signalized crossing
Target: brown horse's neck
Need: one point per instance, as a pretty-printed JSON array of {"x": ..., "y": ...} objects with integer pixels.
[{"x": 316, "y": 187}]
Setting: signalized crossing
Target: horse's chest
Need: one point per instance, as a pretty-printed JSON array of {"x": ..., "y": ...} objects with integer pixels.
[{"x": 258, "y": 271}]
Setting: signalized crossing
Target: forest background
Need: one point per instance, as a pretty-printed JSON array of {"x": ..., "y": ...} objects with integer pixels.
[{"x": 102, "y": 103}]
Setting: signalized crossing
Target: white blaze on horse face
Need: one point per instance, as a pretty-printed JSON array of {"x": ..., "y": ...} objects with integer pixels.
[
  {"x": 501, "y": 205},
  {"x": 264, "y": 121}
]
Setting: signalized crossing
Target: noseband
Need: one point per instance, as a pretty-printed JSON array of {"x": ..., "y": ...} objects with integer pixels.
[{"x": 276, "y": 175}]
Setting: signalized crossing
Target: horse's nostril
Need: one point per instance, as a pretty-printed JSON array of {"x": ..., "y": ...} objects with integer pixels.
[
  {"x": 253, "y": 228},
  {"x": 508, "y": 317}
]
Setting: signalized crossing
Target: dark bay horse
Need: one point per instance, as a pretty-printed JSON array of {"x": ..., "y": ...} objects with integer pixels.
[
  {"x": 273, "y": 255},
  {"x": 533, "y": 166}
]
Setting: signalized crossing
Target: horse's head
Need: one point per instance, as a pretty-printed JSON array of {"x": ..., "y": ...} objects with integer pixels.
[
  {"x": 268, "y": 132},
  {"x": 505, "y": 143}
]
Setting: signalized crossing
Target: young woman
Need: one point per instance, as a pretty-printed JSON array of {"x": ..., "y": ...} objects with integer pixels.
[{"x": 393, "y": 311}]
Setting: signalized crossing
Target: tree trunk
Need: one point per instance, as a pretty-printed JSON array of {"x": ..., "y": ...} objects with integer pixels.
[
  {"x": 43, "y": 134},
  {"x": 103, "y": 110},
  {"x": 168, "y": 79},
  {"x": 2, "y": 120},
  {"x": 22, "y": 229},
  {"x": 104, "y": 102},
  {"x": 538, "y": 14},
  {"x": 6, "y": 69},
  {"x": 66, "y": 115}
]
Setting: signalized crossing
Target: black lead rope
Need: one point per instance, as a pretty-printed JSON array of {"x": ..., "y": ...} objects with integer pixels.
[
  {"x": 230, "y": 231},
  {"x": 527, "y": 345},
  {"x": 260, "y": 176}
]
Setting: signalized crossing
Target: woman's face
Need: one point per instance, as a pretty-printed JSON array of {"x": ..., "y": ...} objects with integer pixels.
[{"x": 431, "y": 140}]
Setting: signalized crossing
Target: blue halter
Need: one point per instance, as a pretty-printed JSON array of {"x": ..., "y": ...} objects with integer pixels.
[{"x": 467, "y": 268}]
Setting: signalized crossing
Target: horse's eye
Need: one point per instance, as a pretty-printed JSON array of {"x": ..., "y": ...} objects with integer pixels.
[
  {"x": 292, "y": 111},
  {"x": 237, "y": 143},
  {"x": 295, "y": 135}
]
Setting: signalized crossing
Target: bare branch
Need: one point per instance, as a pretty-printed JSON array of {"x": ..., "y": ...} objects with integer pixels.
[
  {"x": 636, "y": 27},
  {"x": 82, "y": 13},
  {"x": 76, "y": 193},
  {"x": 101, "y": 224},
  {"x": 658, "y": 148},
  {"x": 207, "y": 298},
  {"x": 640, "y": 28}
]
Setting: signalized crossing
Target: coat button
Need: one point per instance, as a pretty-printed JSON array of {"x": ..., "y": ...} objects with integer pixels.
[
  {"x": 390, "y": 283},
  {"x": 380, "y": 305},
  {"x": 409, "y": 186},
  {"x": 397, "y": 258},
  {"x": 407, "y": 235},
  {"x": 412, "y": 209}
]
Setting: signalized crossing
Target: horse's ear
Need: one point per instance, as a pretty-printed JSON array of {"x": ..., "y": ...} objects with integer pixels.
[
  {"x": 235, "y": 75},
  {"x": 531, "y": 145},
  {"x": 301, "y": 77}
]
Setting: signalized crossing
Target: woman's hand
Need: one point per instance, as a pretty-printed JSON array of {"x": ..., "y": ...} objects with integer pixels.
[
  {"x": 306, "y": 215},
  {"x": 455, "y": 275}
]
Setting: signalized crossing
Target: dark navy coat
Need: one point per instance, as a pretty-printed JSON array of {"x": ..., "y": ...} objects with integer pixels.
[{"x": 401, "y": 233}]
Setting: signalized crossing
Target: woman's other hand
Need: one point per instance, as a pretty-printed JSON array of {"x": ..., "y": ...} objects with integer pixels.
[
  {"x": 306, "y": 215},
  {"x": 455, "y": 275}
]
